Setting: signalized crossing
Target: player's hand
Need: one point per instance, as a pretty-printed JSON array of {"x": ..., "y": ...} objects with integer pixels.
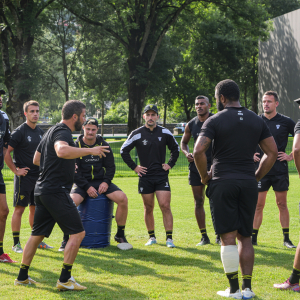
[
  {"x": 255, "y": 157},
  {"x": 99, "y": 150},
  {"x": 140, "y": 170},
  {"x": 22, "y": 171},
  {"x": 166, "y": 167},
  {"x": 102, "y": 188},
  {"x": 92, "y": 192},
  {"x": 207, "y": 178},
  {"x": 189, "y": 156},
  {"x": 282, "y": 156}
]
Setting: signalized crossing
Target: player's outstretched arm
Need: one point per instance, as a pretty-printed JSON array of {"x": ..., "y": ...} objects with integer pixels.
[
  {"x": 296, "y": 152},
  {"x": 184, "y": 144},
  {"x": 269, "y": 148},
  {"x": 63, "y": 150}
]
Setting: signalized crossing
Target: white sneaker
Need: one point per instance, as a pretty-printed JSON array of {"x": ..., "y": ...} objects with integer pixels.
[
  {"x": 170, "y": 243},
  {"x": 248, "y": 294},
  {"x": 17, "y": 248},
  {"x": 226, "y": 293},
  {"x": 151, "y": 241}
]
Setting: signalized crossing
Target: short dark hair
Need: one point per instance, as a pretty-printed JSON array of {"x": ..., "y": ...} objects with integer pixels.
[
  {"x": 272, "y": 93},
  {"x": 202, "y": 97},
  {"x": 229, "y": 89},
  {"x": 70, "y": 108},
  {"x": 30, "y": 102}
]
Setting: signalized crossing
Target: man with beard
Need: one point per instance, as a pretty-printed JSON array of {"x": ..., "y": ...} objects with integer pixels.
[
  {"x": 232, "y": 190},
  {"x": 56, "y": 156},
  {"x": 193, "y": 129},
  {"x": 23, "y": 142},
  {"x": 150, "y": 142},
  {"x": 4, "y": 139}
]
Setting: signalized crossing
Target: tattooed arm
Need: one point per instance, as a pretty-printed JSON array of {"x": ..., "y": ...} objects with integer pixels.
[{"x": 200, "y": 159}]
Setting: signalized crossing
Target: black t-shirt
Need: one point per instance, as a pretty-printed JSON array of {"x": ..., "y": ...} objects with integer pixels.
[
  {"x": 195, "y": 126},
  {"x": 25, "y": 141},
  {"x": 56, "y": 174},
  {"x": 280, "y": 127},
  {"x": 235, "y": 132}
]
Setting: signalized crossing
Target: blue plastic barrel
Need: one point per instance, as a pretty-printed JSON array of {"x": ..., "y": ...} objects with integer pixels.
[{"x": 96, "y": 215}]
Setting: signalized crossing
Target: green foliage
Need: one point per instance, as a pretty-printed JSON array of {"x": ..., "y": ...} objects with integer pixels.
[
  {"x": 55, "y": 116},
  {"x": 117, "y": 114}
]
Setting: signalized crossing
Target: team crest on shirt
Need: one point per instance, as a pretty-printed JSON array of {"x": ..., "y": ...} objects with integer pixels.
[
  {"x": 167, "y": 184},
  {"x": 159, "y": 138},
  {"x": 277, "y": 126},
  {"x": 29, "y": 138},
  {"x": 145, "y": 142}
]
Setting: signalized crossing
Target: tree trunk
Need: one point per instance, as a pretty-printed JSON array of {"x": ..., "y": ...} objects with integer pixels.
[{"x": 102, "y": 118}]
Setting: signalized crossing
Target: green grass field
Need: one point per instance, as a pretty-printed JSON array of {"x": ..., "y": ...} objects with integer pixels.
[{"x": 156, "y": 272}]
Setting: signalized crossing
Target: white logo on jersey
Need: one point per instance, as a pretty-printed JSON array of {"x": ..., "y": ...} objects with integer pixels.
[
  {"x": 159, "y": 138},
  {"x": 41, "y": 137},
  {"x": 277, "y": 126},
  {"x": 241, "y": 118},
  {"x": 167, "y": 185},
  {"x": 141, "y": 189},
  {"x": 92, "y": 156},
  {"x": 259, "y": 184},
  {"x": 145, "y": 142},
  {"x": 29, "y": 138}
]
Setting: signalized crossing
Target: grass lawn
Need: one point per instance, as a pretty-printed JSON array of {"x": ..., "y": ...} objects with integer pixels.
[{"x": 156, "y": 272}]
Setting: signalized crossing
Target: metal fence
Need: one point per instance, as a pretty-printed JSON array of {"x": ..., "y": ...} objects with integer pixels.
[{"x": 122, "y": 170}]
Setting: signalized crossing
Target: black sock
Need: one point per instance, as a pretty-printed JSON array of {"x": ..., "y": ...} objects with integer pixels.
[
  {"x": 254, "y": 235},
  {"x": 286, "y": 235},
  {"x": 66, "y": 237},
  {"x": 23, "y": 274},
  {"x": 294, "y": 278},
  {"x": 65, "y": 272},
  {"x": 1, "y": 248},
  {"x": 121, "y": 231},
  {"x": 151, "y": 233},
  {"x": 246, "y": 281},
  {"x": 233, "y": 281},
  {"x": 169, "y": 234},
  {"x": 16, "y": 236},
  {"x": 203, "y": 232}
]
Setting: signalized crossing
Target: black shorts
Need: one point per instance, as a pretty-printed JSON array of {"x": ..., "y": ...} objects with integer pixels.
[
  {"x": 232, "y": 204},
  {"x": 280, "y": 183},
  {"x": 56, "y": 208},
  {"x": 95, "y": 183},
  {"x": 24, "y": 190},
  {"x": 2, "y": 185},
  {"x": 194, "y": 178},
  {"x": 148, "y": 185}
]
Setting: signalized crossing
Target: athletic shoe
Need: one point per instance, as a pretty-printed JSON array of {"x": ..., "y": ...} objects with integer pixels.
[
  {"x": 28, "y": 281},
  {"x": 63, "y": 246},
  {"x": 122, "y": 243},
  {"x": 289, "y": 244},
  {"x": 227, "y": 294},
  {"x": 17, "y": 248},
  {"x": 204, "y": 241},
  {"x": 296, "y": 289},
  {"x": 43, "y": 245},
  {"x": 6, "y": 259},
  {"x": 248, "y": 294},
  {"x": 218, "y": 240},
  {"x": 286, "y": 285},
  {"x": 151, "y": 241},
  {"x": 170, "y": 243},
  {"x": 70, "y": 285}
]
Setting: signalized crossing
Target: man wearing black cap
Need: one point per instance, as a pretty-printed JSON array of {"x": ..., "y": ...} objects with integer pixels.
[
  {"x": 94, "y": 175},
  {"x": 150, "y": 141},
  {"x": 278, "y": 177},
  {"x": 4, "y": 139}
]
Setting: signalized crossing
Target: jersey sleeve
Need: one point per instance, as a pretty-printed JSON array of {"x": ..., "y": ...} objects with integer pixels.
[
  {"x": 291, "y": 126},
  {"x": 16, "y": 138},
  {"x": 173, "y": 147},
  {"x": 128, "y": 145},
  {"x": 109, "y": 165},
  {"x": 61, "y": 136},
  {"x": 297, "y": 128},
  {"x": 265, "y": 133}
]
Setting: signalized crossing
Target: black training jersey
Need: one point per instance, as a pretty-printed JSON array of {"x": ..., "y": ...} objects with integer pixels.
[
  {"x": 25, "y": 141},
  {"x": 280, "y": 127},
  {"x": 4, "y": 135},
  {"x": 92, "y": 167},
  {"x": 56, "y": 174},
  {"x": 235, "y": 132},
  {"x": 151, "y": 149},
  {"x": 195, "y": 126},
  {"x": 297, "y": 128}
]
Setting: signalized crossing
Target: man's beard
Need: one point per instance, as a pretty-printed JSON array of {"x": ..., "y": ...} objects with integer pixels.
[
  {"x": 220, "y": 106},
  {"x": 78, "y": 125}
]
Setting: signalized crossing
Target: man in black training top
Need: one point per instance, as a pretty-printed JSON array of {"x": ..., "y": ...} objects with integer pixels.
[
  {"x": 193, "y": 129},
  {"x": 292, "y": 283},
  {"x": 150, "y": 142},
  {"x": 94, "y": 175},
  {"x": 278, "y": 177},
  {"x": 232, "y": 190},
  {"x": 4, "y": 139},
  {"x": 23, "y": 142},
  {"x": 56, "y": 156}
]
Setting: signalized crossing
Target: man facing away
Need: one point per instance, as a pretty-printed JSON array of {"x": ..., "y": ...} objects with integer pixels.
[
  {"x": 150, "y": 141},
  {"x": 94, "y": 176},
  {"x": 278, "y": 177},
  {"x": 56, "y": 156},
  {"x": 232, "y": 190},
  {"x": 23, "y": 142}
]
